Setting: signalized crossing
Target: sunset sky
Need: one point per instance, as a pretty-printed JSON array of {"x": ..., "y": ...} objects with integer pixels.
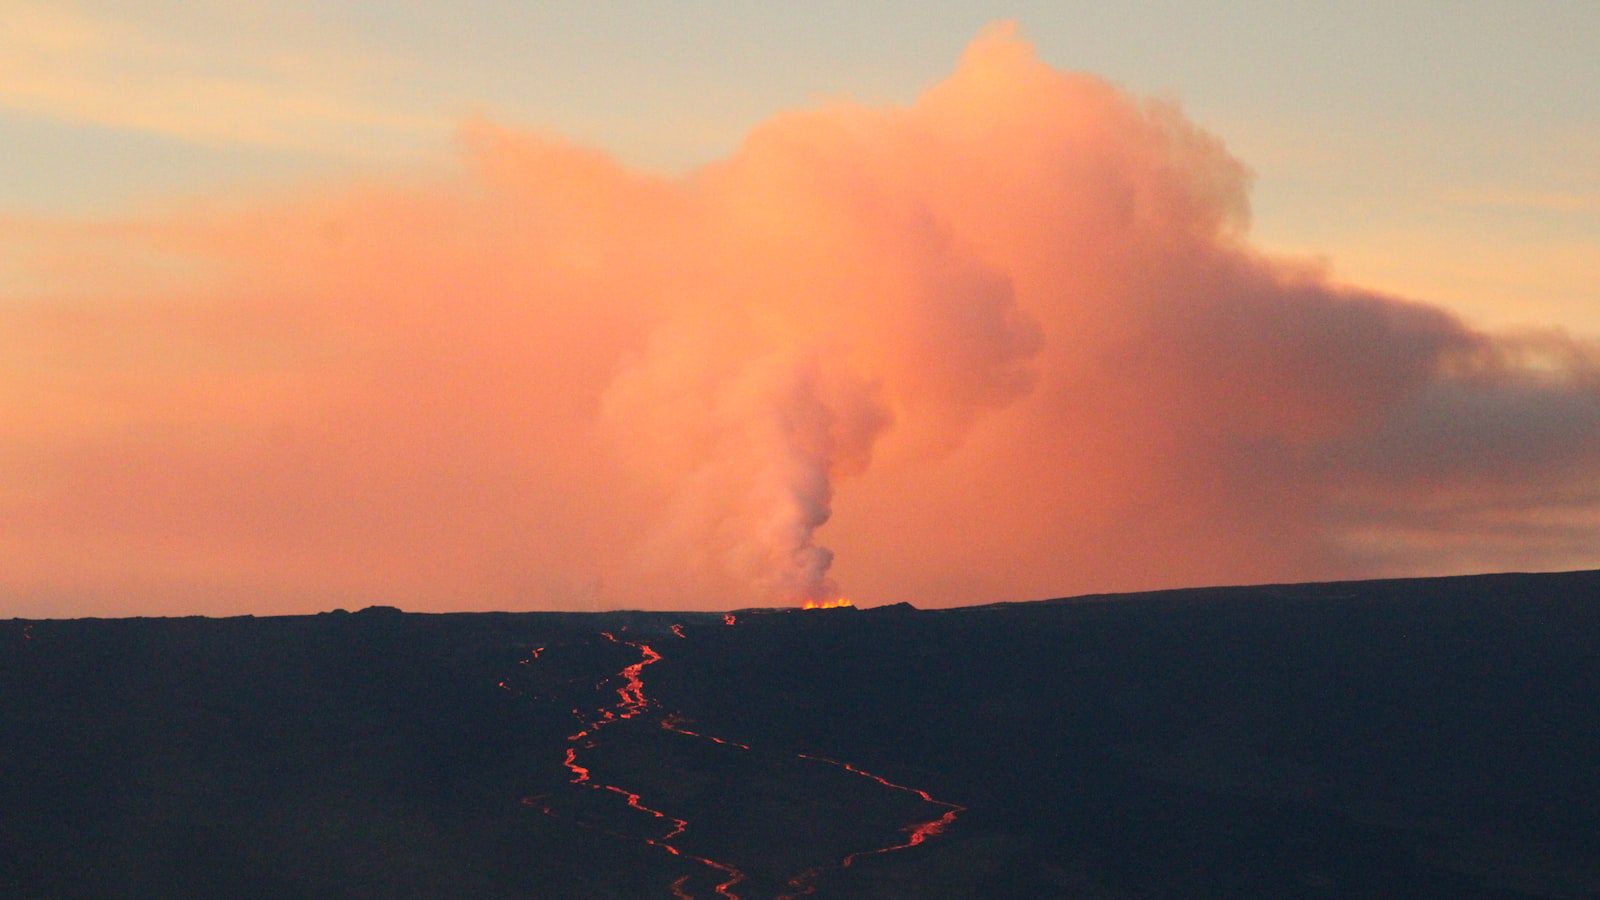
[{"x": 505, "y": 305}]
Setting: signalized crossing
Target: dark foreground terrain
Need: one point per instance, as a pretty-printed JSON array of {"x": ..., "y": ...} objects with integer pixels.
[{"x": 1400, "y": 738}]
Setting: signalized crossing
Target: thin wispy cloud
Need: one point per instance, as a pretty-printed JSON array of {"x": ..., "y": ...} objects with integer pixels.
[{"x": 93, "y": 69}]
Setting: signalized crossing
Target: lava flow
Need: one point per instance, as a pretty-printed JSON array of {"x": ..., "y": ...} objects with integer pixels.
[
  {"x": 632, "y": 703},
  {"x": 632, "y": 692},
  {"x": 671, "y": 722},
  {"x": 916, "y": 833}
]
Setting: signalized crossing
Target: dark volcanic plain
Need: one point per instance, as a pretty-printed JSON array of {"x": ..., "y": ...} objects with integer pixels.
[{"x": 1435, "y": 737}]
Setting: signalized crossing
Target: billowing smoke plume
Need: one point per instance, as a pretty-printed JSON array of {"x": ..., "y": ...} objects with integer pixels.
[{"x": 1010, "y": 341}]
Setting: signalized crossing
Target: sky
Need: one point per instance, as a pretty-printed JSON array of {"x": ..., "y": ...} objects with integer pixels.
[{"x": 498, "y": 305}]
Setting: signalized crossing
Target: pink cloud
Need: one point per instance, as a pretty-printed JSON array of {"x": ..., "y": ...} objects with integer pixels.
[{"x": 1010, "y": 341}]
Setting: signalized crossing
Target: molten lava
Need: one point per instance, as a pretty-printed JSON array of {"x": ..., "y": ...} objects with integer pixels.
[
  {"x": 626, "y": 699},
  {"x": 836, "y": 603},
  {"x": 632, "y": 702}
]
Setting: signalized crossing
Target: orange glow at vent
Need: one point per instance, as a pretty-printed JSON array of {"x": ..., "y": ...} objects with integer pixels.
[{"x": 827, "y": 604}]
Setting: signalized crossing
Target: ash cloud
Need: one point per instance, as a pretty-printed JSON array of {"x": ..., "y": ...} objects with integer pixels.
[{"x": 1009, "y": 341}]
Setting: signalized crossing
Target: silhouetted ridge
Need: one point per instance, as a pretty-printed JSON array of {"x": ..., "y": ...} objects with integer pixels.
[{"x": 1402, "y": 737}]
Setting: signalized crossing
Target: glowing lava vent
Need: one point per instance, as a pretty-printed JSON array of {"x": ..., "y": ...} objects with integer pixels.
[{"x": 827, "y": 604}]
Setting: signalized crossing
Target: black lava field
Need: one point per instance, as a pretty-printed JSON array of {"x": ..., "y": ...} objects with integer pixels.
[{"x": 1419, "y": 738}]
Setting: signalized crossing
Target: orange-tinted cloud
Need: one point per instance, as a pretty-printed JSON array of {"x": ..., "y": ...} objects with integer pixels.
[{"x": 1010, "y": 341}]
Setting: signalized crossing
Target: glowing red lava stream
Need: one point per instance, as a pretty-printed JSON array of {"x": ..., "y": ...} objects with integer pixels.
[
  {"x": 631, "y": 703},
  {"x": 724, "y": 888},
  {"x": 670, "y": 723},
  {"x": 918, "y": 832},
  {"x": 632, "y": 693}
]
